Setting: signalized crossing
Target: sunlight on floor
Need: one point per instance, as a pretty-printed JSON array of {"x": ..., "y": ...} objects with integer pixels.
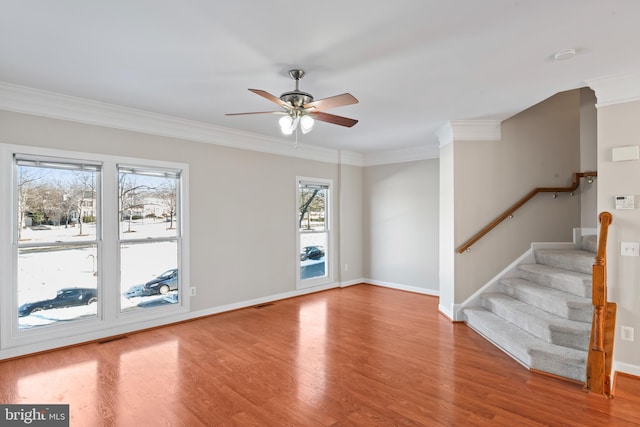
[{"x": 312, "y": 352}]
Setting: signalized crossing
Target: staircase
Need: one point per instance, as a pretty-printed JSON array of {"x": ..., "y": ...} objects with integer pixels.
[{"x": 540, "y": 313}]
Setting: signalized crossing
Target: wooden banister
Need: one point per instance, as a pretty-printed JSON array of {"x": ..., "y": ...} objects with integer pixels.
[
  {"x": 509, "y": 212},
  {"x": 600, "y": 356}
]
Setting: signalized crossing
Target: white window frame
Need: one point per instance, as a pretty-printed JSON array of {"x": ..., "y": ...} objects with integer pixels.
[
  {"x": 109, "y": 320},
  {"x": 329, "y": 250}
]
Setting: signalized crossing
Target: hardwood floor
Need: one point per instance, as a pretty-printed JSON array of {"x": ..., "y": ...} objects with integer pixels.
[{"x": 362, "y": 355}]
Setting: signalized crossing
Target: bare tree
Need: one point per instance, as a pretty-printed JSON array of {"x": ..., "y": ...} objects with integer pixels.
[
  {"x": 167, "y": 193},
  {"x": 130, "y": 196},
  {"x": 82, "y": 189},
  {"x": 28, "y": 180}
]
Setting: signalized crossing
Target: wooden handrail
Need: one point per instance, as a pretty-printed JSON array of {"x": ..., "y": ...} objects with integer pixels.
[
  {"x": 509, "y": 212},
  {"x": 600, "y": 356}
]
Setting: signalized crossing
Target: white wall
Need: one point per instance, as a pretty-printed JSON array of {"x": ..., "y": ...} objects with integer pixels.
[
  {"x": 588, "y": 157},
  {"x": 447, "y": 251},
  {"x": 618, "y": 126},
  {"x": 401, "y": 225}
]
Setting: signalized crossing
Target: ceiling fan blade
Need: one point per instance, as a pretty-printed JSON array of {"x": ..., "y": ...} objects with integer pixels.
[
  {"x": 332, "y": 102},
  {"x": 256, "y": 112},
  {"x": 332, "y": 118},
  {"x": 270, "y": 97}
]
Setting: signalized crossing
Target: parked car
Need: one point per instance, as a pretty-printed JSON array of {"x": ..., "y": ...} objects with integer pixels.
[
  {"x": 311, "y": 252},
  {"x": 167, "y": 281},
  {"x": 135, "y": 291},
  {"x": 66, "y": 297}
]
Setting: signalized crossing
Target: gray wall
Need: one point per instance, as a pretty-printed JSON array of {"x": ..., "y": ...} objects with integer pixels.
[
  {"x": 539, "y": 148},
  {"x": 242, "y": 204},
  {"x": 618, "y": 126},
  {"x": 401, "y": 224},
  {"x": 351, "y": 230}
]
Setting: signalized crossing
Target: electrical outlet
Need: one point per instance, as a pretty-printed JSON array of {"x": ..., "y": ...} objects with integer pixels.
[
  {"x": 346, "y": 267},
  {"x": 626, "y": 333},
  {"x": 192, "y": 291}
]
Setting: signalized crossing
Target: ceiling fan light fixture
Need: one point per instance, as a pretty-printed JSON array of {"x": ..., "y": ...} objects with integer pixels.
[
  {"x": 288, "y": 124},
  {"x": 306, "y": 124}
]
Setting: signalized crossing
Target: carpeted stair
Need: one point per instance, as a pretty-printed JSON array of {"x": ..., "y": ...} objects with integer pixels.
[{"x": 541, "y": 313}]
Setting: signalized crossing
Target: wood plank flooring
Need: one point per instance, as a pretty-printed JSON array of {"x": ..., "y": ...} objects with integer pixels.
[{"x": 362, "y": 355}]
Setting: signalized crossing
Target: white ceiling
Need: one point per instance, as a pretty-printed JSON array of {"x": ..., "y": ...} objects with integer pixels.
[{"x": 413, "y": 64}]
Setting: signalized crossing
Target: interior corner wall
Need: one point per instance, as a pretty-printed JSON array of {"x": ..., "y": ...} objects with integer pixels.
[
  {"x": 618, "y": 126},
  {"x": 447, "y": 250},
  {"x": 401, "y": 225},
  {"x": 242, "y": 204},
  {"x": 351, "y": 229},
  {"x": 588, "y": 158},
  {"x": 540, "y": 147}
]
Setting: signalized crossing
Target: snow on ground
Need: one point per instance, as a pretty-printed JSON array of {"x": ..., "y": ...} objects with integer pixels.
[{"x": 41, "y": 273}]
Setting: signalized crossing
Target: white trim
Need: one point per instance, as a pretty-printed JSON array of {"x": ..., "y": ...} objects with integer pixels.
[
  {"x": 469, "y": 130},
  {"x": 22, "y": 99},
  {"x": 330, "y": 251},
  {"x": 348, "y": 283},
  {"x": 446, "y": 312},
  {"x": 400, "y": 287},
  {"x": 626, "y": 368},
  {"x": 401, "y": 156},
  {"x": 616, "y": 89},
  {"x": 109, "y": 317},
  {"x": 351, "y": 158},
  {"x": 38, "y": 102}
]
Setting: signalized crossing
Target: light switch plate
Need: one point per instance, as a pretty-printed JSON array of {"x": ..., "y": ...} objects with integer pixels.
[{"x": 630, "y": 249}]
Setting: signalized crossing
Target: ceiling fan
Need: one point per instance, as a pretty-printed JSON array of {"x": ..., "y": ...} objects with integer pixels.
[{"x": 299, "y": 108}]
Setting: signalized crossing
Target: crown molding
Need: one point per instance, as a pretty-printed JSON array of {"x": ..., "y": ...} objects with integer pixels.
[
  {"x": 616, "y": 89},
  {"x": 469, "y": 130},
  {"x": 401, "y": 156},
  {"x": 38, "y": 102},
  {"x": 351, "y": 158}
]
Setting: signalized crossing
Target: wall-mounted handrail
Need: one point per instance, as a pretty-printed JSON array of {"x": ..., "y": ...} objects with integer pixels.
[
  {"x": 509, "y": 212},
  {"x": 600, "y": 356}
]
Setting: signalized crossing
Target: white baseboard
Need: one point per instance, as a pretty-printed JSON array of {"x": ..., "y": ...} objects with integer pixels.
[
  {"x": 445, "y": 311},
  {"x": 626, "y": 368},
  {"x": 401, "y": 287},
  {"x": 352, "y": 282}
]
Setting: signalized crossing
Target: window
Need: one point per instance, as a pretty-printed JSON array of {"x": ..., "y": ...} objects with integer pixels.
[
  {"x": 57, "y": 240},
  {"x": 89, "y": 243},
  {"x": 313, "y": 224},
  {"x": 149, "y": 237}
]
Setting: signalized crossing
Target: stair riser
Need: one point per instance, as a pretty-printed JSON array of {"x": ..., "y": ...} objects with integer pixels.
[
  {"x": 570, "y": 286},
  {"x": 554, "y": 258},
  {"x": 518, "y": 352},
  {"x": 559, "y": 308},
  {"x": 556, "y": 367},
  {"x": 572, "y": 339}
]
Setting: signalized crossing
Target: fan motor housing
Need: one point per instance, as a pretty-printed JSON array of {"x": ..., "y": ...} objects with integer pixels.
[{"x": 296, "y": 98}]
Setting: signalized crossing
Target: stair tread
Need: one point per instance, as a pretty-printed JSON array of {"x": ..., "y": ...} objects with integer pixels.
[{"x": 530, "y": 350}]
